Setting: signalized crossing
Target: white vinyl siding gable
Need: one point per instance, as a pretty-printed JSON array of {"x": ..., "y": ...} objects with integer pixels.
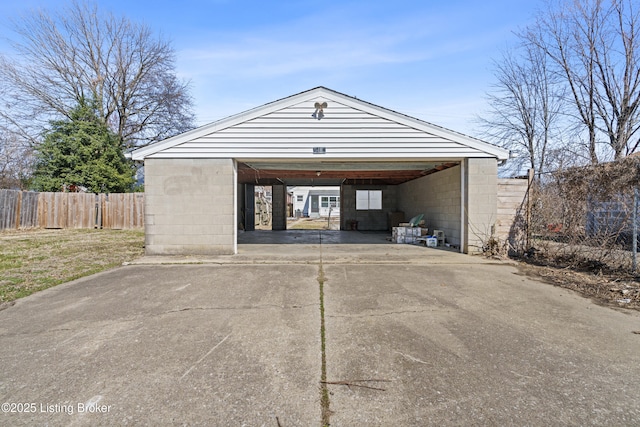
[
  {"x": 344, "y": 132},
  {"x": 350, "y": 129}
]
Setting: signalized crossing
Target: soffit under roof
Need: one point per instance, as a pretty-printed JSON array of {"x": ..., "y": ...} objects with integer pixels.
[{"x": 336, "y": 173}]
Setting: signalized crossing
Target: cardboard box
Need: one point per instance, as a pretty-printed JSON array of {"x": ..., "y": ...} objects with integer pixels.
[{"x": 406, "y": 234}]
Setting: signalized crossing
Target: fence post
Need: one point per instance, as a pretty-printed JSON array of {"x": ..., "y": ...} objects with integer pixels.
[
  {"x": 634, "y": 240},
  {"x": 531, "y": 177},
  {"x": 97, "y": 212},
  {"x": 18, "y": 209}
]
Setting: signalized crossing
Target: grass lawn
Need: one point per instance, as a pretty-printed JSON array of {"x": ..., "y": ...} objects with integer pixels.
[
  {"x": 32, "y": 260},
  {"x": 313, "y": 224}
]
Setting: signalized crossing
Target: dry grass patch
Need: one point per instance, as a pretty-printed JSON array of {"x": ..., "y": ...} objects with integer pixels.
[
  {"x": 605, "y": 287},
  {"x": 32, "y": 260},
  {"x": 314, "y": 224}
]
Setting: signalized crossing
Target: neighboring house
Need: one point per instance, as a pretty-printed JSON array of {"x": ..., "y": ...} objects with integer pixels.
[
  {"x": 315, "y": 202},
  {"x": 612, "y": 219},
  {"x": 199, "y": 187}
]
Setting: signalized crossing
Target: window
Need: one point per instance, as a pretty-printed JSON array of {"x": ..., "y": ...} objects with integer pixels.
[
  {"x": 368, "y": 200},
  {"x": 300, "y": 198},
  {"x": 330, "y": 201}
]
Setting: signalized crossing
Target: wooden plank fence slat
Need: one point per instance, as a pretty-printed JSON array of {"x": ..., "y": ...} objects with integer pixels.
[
  {"x": 29, "y": 210},
  {"x": 25, "y": 209},
  {"x": 139, "y": 198},
  {"x": 82, "y": 212},
  {"x": 119, "y": 211},
  {"x": 512, "y": 196},
  {"x": 122, "y": 210},
  {"x": 98, "y": 208},
  {"x": 42, "y": 209},
  {"x": 18, "y": 208},
  {"x": 52, "y": 210},
  {"x": 111, "y": 211},
  {"x": 8, "y": 206}
]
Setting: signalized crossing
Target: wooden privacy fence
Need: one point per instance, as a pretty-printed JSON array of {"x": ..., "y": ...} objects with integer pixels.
[
  {"x": 122, "y": 210},
  {"x": 513, "y": 212},
  {"x": 26, "y": 209}
]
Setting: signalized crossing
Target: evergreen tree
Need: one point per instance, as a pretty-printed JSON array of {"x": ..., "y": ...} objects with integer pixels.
[{"x": 81, "y": 151}]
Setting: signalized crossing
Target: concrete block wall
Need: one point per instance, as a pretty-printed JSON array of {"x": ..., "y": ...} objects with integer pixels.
[
  {"x": 438, "y": 197},
  {"x": 190, "y": 206},
  {"x": 368, "y": 220},
  {"x": 481, "y": 202}
]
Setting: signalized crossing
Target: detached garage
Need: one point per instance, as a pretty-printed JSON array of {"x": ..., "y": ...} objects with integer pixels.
[{"x": 199, "y": 186}]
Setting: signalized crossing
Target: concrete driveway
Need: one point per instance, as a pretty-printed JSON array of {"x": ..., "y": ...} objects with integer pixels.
[{"x": 413, "y": 337}]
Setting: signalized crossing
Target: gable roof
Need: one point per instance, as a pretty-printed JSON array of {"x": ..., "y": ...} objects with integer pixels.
[{"x": 346, "y": 128}]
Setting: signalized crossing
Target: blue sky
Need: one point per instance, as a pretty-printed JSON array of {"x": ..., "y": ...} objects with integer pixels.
[{"x": 428, "y": 59}]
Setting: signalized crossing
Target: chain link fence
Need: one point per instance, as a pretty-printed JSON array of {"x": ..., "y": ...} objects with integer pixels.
[{"x": 584, "y": 218}]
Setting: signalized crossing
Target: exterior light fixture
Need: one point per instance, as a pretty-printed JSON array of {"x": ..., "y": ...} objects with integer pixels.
[{"x": 319, "y": 113}]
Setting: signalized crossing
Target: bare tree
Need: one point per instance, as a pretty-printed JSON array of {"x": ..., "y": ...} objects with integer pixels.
[
  {"x": 64, "y": 58},
  {"x": 524, "y": 107},
  {"x": 15, "y": 161},
  {"x": 619, "y": 76},
  {"x": 594, "y": 45}
]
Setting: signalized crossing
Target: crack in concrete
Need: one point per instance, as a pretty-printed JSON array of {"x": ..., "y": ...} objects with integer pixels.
[
  {"x": 324, "y": 390},
  {"x": 248, "y": 307},
  {"x": 413, "y": 359},
  {"x": 386, "y": 313},
  {"x": 204, "y": 357}
]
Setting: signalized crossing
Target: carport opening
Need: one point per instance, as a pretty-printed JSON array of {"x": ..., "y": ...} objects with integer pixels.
[
  {"x": 304, "y": 208},
  {"x": 368, "y": 197}
]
